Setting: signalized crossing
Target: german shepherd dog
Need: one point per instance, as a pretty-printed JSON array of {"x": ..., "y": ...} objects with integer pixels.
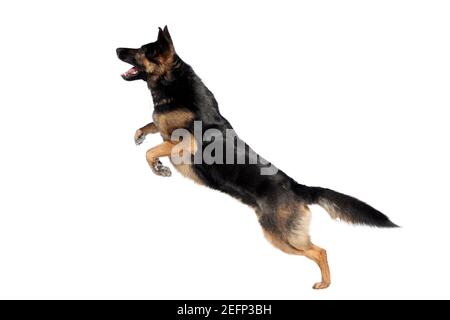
[{"x": 180, "y": 100}]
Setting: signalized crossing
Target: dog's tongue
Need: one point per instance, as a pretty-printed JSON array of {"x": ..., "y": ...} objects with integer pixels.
[{"x": 132, "y": 72}]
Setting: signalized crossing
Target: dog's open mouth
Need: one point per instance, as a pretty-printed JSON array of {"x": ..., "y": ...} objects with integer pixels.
[
  {"x": 133, "y": 72},
  {"x": 136, "y": 71}
]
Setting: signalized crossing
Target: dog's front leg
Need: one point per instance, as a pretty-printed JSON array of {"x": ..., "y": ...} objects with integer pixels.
[
  {"x": 162, "y": 150},
  {"x": 140, "y": 134}
]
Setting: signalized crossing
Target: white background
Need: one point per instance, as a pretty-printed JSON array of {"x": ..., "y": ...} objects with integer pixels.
[{"x": 350, "y": 95}]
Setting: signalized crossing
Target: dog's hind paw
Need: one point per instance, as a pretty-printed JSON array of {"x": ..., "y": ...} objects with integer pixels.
[
  {"x": 321, "y": 285},
  {"x": 161, "y": 170}
]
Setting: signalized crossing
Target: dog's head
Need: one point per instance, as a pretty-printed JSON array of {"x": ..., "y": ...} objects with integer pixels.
[{"x": 151, "y": 60}]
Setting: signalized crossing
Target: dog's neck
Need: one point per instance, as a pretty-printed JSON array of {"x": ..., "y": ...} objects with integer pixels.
[
  {"x": 161, "y": 102},
  {"x": 182, "y": 87},
  {"x": 161, "y": 92}
]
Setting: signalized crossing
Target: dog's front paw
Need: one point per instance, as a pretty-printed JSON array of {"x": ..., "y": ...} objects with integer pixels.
[
  {"x": 139, "y": 137},
  {"x": 159, "y": 169}
]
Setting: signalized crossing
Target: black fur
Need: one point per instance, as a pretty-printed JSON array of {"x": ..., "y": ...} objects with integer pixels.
[{"x": 349, "y": 208}]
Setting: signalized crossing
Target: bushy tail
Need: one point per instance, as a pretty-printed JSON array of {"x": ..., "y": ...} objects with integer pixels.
[{"x": 343, "y": 207}]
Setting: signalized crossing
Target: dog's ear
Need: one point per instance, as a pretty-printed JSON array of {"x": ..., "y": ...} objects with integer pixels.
[
  {"x": 161, "y": 36},
  {"x": 164, "y": 39},
  {"x": 167, "y": 34}
]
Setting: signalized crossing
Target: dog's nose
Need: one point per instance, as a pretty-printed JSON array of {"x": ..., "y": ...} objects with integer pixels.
[{"x": 119, "y": 51}]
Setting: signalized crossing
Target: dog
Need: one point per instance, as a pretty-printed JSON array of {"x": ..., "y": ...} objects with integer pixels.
[{"x": 281, "y": 204}]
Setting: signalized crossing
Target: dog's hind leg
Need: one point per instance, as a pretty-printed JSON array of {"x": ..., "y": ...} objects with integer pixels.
[
  {"x": 299, "y": 238},
  {"x": 313, "y": 252},
  {"x": 319, "y": 256},
  {"x": 290, "y": 234}
]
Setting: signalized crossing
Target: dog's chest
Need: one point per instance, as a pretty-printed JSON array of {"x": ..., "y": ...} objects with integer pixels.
[{"x": 168, "y": 121}]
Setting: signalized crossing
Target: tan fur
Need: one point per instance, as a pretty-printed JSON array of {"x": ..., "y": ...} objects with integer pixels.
[
  {"x": 167, "y": 122},
  {"x": 333, "y": 211},
  {"x": 185, "y": 169},
  {"x": 149, "y": 128},
  {"x": 140, "y": 134},
  {"x": 299, "y": 237},
  {"x": 150, "y": 68},
  {"x": 313, "y": 252},
  {"x": 162, "y": 150},
  {"x": 297, "y": 241},
  {"x": 156, "y": 69},
  {"x": 280, "y": 243},
  {"x": 284, "y": 214},
  {"x": 319, "y": 256},
  {"x": 166, "y": 149}
]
